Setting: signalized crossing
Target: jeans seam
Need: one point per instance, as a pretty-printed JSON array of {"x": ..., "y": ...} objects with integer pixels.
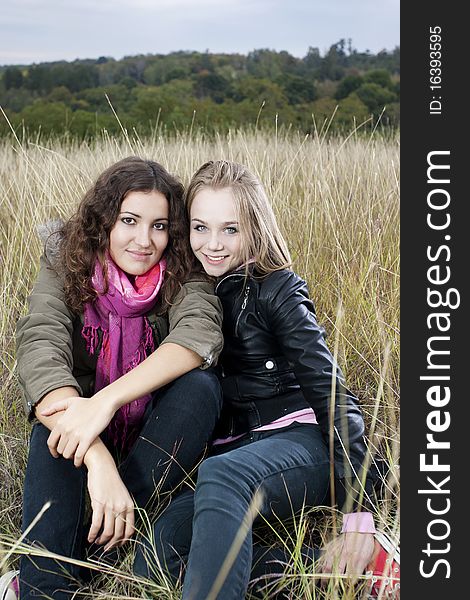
[{"x": 258, "y": 482}]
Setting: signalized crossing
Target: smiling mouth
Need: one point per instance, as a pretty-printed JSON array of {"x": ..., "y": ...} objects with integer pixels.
[
  {"x": 140, "y": 255},
  {"x": 215, "y": 259}
]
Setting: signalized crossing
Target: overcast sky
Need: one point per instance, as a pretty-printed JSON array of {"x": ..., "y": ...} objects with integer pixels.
[{"x": 46, "y": 30}]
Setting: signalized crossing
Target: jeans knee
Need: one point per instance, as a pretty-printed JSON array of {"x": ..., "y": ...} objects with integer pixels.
[
  {"x": 202, "y": 379},
  {"x": 211, "y": 469},
  {"x": 204, "y": 389},
  {"x": 161, "y": 553},
  {"x": 219, "y": 474},
  {"x": 150, "y": 558}
]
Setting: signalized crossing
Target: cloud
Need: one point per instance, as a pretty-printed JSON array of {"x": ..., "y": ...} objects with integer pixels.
[{"x": 61, "y": 29}]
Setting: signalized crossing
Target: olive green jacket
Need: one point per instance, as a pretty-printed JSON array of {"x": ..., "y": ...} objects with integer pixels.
[{"x": 51, "y": 351}]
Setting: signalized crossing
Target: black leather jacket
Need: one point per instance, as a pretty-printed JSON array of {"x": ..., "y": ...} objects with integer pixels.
[{"x": 275, "y": 361}]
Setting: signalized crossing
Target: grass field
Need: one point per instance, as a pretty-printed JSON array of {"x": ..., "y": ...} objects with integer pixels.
[{"x": 337, "y": 203}]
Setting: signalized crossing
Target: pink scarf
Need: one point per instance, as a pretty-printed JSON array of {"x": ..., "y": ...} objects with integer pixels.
[{"x": 127, "y": 337}]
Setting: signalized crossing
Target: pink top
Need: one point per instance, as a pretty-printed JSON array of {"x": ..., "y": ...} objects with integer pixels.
[
  {"x": 360, "y": 522},
  {"x": 300, "y": 416}
]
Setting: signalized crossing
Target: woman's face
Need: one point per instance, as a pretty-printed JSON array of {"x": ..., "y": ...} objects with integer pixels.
[
  {"x": 215, "y": 232},
  {"x": 140, "y": 234}
]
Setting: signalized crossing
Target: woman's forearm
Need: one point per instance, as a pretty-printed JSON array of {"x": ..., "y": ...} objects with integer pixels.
[
  {"x": 167, "y": 363},
  {"x": 80, "y": 421},
  {"x": 97, "y": 454}
]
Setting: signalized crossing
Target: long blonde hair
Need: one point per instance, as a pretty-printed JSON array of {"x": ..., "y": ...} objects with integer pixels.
[{"x": 261, "y": 237}]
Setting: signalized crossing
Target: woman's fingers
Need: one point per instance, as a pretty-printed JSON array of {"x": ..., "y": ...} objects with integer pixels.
[
  {"x": 111, "y": 500},
  {"x": 80, "y": 452},
  {"x": 55, "y": 407},
  {"x": 348, "y": 554},
  {"x": 52, "y": 442},
  {"x": 68, "y": 446},
  {"x": 123, "y": 524},
  {"x": 119, "y": 531},
  {"x": 109, "y": 524},
  {"x": 330, "y": 560},
  {"x": 129, "y": 530},
  {"x": 96, "y": 522},
  {"x": 61, "y": 442},
  {"x": 79, "y": 424}
]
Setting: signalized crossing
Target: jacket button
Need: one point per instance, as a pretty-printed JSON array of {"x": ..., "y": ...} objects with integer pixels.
[{"x": 269, "y": 364}]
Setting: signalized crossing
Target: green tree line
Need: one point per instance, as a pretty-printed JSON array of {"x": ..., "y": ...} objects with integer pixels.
[{"x": 214, "y": 91}]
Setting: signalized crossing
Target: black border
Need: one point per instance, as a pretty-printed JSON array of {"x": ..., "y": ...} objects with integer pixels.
[{"x": 421, "y": 133}]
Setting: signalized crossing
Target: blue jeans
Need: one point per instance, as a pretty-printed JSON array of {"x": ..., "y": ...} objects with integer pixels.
[
  {"x": 289, "y": 466},
  {"x": 177, "y": 427}
]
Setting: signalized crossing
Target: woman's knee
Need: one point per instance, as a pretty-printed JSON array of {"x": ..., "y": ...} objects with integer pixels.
[
  {"x": 163, "y": 550},
  {"x": 201, "y": 389},
  {"x": 213, "y": 469},
  {"x": 202, "y": 379},
  {"x": 219, "y": 478},
  {"x": 151, "y": 555}
]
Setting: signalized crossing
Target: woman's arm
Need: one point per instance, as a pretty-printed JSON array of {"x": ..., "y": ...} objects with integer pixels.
[
  {"x": 44, "y": 341},
  {"x": 112, "y": 506},
  {"x": 291, "y": 315},
  {"x": 81, "y": 420},
  {"x": 194, "y": 340},
  {"x": 195, "y": 321}
]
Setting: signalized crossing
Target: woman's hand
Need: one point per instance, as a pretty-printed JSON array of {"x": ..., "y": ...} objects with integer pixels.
[
  {"x": 81, "y": 422},
  {"x": 113, "y": 509},
  {"x": 349, "y": 553}
]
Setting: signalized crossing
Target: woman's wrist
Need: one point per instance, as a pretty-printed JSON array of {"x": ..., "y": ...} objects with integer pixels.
[
  {"x": 98, "y": 454},
  {"x": 109, "y": 398}
]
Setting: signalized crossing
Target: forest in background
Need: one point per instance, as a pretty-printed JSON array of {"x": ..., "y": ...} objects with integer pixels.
[{"x": 213, "y": 92}]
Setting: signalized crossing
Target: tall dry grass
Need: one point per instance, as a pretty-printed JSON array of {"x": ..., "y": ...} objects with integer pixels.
[{"x": 337, "y": 202}]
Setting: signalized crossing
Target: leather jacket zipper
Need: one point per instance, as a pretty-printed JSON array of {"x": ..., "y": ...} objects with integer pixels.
[{"x": 244, "y": 303}]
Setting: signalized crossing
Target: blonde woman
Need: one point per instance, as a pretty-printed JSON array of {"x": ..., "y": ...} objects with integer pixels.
[{"x": 277, "y": 375}]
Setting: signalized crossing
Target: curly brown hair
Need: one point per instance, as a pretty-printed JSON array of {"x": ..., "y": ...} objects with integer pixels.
[{"x": 85, "y": 236}]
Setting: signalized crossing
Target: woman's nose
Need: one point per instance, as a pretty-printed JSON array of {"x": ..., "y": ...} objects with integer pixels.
[
  {"x": 142, "y": 236},
  {"x": 214, "y": 242}
]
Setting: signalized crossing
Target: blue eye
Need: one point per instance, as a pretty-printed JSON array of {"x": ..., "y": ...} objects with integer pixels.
[
  {"x": 200, "y": 228},
  {"x": 231, "y": 230}
]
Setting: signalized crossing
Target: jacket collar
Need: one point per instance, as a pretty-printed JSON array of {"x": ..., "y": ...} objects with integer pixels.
[{"x": 239, "y": 274}]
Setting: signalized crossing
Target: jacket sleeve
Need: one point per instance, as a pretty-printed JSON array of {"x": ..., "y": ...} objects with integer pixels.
[
  {"x": 44, "y": 340},
  {"x": 195, "y": 321},
  {"x": 291, "y": 316}
]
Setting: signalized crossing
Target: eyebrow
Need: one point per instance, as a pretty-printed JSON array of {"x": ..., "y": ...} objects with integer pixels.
[
  {"x": 224, "y": 224},
  {"x": 128, "y": 212}
]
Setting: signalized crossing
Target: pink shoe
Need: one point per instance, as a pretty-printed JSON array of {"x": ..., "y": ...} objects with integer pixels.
[
  {"x": 384, "y": 569},
  {"x": 9, "y": 586}
]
